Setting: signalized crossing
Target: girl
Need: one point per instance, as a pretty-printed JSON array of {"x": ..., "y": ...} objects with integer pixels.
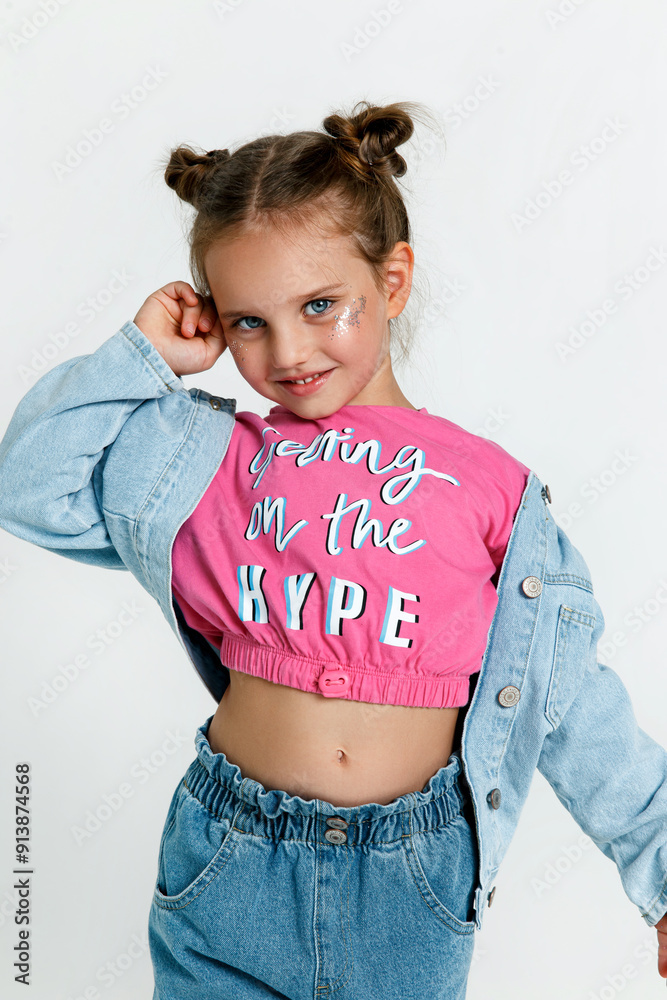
[{"x": 357, "y": 582}]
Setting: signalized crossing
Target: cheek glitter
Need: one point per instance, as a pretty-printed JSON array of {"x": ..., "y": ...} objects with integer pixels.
[
  {"x": 348, "y": 317},
  {"x": 235, "y": 347}
]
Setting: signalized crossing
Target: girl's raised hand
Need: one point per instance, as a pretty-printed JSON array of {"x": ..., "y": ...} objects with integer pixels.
[{"x": 183, "y": 326}]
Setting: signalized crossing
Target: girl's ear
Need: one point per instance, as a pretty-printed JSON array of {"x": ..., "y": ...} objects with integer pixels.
[{"x": 398, "y": 278}]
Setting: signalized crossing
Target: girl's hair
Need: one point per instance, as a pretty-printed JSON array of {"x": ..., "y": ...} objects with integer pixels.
[{"x": 337, "y": 181}]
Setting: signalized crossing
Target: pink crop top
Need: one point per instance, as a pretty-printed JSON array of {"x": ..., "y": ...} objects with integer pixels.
[{"x": 352, "y": 555}]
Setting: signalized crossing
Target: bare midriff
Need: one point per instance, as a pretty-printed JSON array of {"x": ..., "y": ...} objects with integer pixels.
[{"x": 345, "y": 752}]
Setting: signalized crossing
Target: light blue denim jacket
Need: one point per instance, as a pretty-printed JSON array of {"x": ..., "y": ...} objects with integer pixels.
[{"x": 108, "y": 454}]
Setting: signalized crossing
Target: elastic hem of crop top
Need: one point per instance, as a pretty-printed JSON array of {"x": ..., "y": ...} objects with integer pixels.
[{"x": 336, "y": 680}]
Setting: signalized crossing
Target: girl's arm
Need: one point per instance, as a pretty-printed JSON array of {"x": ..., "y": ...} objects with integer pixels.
[
  {"x": 612, "y": 778},
  {"x": 53, "y": 452}
]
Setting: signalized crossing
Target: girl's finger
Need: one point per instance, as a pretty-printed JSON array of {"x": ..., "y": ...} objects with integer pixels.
[
  {"x": 183, "y": 290},
  {"x": 209, "y": 315},
  {"x": 191, "y": 314}
]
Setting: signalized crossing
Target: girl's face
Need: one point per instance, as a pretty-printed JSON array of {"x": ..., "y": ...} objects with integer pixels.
[{"x": 292, "y": 308}]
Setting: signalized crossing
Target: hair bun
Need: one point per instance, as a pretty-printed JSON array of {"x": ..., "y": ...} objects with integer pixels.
[
  {"x": 189, "y": 172},
  {"x": 369, "y": 135}
]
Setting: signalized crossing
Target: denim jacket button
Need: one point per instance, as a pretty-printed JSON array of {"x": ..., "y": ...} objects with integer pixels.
[
  {"x": 215, "y": 403},
  {"x": 509, "y": 696},
  {"x": 490, "y": 896},
  {"x": 493, "y": 798},
  {"x": 546, "y": 493},
  {"x": 532, "y": 586}
]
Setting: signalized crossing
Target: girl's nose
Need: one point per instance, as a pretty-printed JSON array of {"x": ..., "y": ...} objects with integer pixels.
[{"x": 289, "y": 349}]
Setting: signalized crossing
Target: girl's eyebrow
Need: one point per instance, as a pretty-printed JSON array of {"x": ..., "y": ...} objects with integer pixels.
[{"x": 230, "y": 314}]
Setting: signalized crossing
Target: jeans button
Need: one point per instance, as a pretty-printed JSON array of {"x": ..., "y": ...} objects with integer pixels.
[
  {"x": 335, "y": 836},
  {"x": 337, "y": 822},
  {"x": 215, "y": 403}
]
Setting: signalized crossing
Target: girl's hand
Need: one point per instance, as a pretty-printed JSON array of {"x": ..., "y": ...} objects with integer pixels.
[
  {"x": 661, "y": 928},
  {"x": 183, "y": 326}
]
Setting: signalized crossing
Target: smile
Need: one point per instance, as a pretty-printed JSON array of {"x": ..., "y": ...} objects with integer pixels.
[
  {"x": 302, "y": 381},
  {"x": 306, "y": 386}
]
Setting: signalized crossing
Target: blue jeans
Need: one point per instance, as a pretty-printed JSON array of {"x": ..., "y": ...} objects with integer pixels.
[{"x": 265, "y": 894}]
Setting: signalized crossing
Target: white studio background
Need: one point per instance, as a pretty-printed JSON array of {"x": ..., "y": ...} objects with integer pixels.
[{"x": 542, "y": 230}]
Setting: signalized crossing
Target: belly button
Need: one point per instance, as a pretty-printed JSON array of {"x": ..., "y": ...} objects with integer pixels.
[{"x": 341, "y": 756}]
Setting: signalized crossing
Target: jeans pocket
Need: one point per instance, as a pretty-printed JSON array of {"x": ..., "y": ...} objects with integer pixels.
[
  {"x": 194, "y": 848},
  {"x": 444, "y": 866}
]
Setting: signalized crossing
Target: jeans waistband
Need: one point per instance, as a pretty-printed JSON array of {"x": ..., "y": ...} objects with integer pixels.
[{"x": 220, "y": 786}]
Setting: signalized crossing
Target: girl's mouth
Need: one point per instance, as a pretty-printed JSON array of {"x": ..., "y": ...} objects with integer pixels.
[{"x": 307, "y": 388}]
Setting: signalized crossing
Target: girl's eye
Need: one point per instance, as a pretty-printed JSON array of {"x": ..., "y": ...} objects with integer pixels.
[
  {"x": 319, "y": 313},
  {"x": 257, "y": 320},
  {"x": 237, "y": 321}
]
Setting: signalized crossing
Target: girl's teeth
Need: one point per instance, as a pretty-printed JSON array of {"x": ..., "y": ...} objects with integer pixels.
[{"x": 302, "y": 381}]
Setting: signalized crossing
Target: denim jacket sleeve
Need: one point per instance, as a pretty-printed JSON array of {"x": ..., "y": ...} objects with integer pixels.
[
  {"x": 612, "y": 778},
  {"x": 53, "y": 452}
]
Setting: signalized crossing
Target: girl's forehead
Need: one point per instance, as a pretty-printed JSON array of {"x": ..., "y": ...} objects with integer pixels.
[{"x": 291, "y": 268}]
